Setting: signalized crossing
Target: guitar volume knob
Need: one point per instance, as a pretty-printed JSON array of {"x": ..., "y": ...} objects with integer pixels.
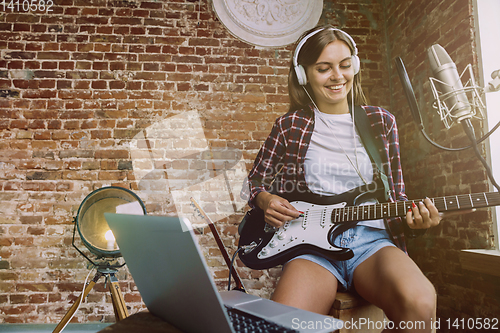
[
  {"x": 281, "y": 236},
  {"x": 273, "y": 244}
]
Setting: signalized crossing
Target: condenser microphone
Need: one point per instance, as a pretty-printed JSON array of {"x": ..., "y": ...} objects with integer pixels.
[
  {"x": 471, "y": 107},
  {"x": 448, "y": 83}
]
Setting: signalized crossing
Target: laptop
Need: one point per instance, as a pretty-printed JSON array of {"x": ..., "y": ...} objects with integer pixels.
[{"x": 169, "y": 269}]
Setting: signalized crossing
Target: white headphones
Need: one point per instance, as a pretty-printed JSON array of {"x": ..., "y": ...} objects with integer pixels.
[{"x": 301, "y": 72}]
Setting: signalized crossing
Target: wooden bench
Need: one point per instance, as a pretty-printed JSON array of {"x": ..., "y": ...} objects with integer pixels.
[
  {"x": 352, "y": 308},
  {"x": 355, "y": 311}
]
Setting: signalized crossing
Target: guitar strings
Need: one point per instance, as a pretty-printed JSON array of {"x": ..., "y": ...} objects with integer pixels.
[{"x": 400, "y": 208}]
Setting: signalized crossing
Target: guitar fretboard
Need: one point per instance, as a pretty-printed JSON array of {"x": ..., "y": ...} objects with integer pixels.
[{"x": 400, "y": 208}]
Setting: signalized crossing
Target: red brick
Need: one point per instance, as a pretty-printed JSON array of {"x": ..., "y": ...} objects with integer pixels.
[
  {"x": 117, "y": 85},
  {"x": 99, "y": 85},
  {"x": 112, "y": 154},
  {"x": 204, "y": 42},
  {"x": 73, "y": 105},
  {"x": 53, "y": 55},
  {"x": 30, "y": 219},
  {"x": 92, "y": 20},
  {"x": 17, "y": 309},
  {"x": 150, "y": 76},
  {"x": 72, "y": 94}
]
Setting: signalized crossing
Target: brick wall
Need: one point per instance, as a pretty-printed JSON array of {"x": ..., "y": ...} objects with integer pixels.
[
  {"x": 135, "y": 94},
  {"x": 157, "y": 97},
  {"x": 412, "y": 28}
]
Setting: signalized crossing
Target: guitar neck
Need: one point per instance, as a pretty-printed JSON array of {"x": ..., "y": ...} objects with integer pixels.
[
  {"x": 220, "y": 244},
  {"x": 400, "y": 208}
]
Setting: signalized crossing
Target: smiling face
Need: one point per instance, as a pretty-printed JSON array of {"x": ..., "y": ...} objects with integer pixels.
[{"x": 331, "y": 77}]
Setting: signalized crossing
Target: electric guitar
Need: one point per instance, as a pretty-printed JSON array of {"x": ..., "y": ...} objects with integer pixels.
[{"x": 323, "y": 218}]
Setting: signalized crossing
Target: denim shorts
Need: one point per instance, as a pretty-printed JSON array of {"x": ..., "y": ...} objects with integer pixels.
[{"x": 363, "y": 241}]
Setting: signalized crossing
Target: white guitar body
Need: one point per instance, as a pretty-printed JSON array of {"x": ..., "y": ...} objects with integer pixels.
[{"x": 312, "y": 228}]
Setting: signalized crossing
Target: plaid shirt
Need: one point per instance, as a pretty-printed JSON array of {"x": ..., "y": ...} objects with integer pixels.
[{"x": 285, "y": 149}]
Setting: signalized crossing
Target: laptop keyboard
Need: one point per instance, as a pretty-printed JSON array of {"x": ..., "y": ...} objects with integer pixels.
[{"x": 247, "y": 323}]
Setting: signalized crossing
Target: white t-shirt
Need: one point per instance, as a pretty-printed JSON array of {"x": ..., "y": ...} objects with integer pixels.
[{"x": 327, "y": 168}]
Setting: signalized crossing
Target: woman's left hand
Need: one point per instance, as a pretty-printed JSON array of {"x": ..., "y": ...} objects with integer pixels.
[{"x": 423, "y": 215}]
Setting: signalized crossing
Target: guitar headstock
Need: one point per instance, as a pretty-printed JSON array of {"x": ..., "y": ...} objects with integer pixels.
[{"x": 199, "y": 210}]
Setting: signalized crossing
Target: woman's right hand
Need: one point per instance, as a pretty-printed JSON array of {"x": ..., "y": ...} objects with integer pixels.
[{"x": 277, "y": 210}]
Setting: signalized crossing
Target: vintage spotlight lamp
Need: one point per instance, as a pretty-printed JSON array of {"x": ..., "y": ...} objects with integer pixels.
[
  {"x": 93, "y": 228},
  {"x": 99, "y": 240}
]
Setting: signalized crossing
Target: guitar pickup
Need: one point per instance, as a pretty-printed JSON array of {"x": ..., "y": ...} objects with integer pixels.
[
  {"x": 305, "y": 220},
  {"x": 324, "y": 218}
]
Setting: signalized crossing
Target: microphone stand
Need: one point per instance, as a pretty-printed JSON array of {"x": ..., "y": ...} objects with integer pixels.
[{"x": 469, "y": 130}]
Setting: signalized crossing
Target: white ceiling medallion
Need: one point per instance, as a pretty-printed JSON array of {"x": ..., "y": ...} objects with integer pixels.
[{"x": 268, "y": 23}]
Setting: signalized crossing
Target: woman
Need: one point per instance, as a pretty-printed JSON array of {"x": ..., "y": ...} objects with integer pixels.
[{"x": 320, "y": 151}]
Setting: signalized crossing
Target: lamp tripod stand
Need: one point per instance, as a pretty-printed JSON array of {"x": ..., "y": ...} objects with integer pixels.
[
  {"x": 99, "y": 240},
  {"x": 116, "y": 297}
]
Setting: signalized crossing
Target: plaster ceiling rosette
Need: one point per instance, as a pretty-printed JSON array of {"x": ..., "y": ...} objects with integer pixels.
[{"x": 268, "y": 23}]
